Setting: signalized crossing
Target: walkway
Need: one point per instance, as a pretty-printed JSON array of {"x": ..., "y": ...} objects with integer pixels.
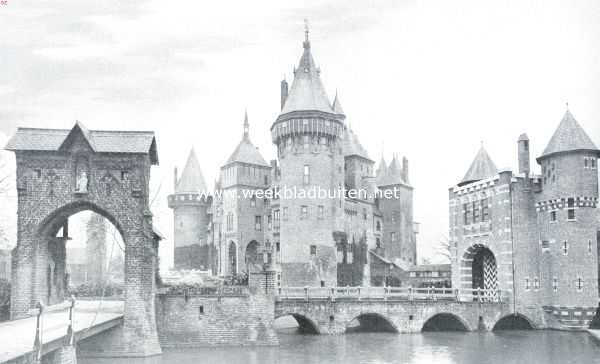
[{"x": 89, "y": 318}]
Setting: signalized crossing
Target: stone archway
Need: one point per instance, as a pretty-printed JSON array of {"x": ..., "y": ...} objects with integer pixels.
[
  {"x": 62, "y": 172},
  {"x": 481, "y": 269},
  {"x": 252, "y": 256}
]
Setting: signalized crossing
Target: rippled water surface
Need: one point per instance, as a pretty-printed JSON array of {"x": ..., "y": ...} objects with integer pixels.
[{"x": 528, "y": 347}]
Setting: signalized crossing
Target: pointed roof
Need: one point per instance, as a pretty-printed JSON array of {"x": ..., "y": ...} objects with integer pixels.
[
  {"x": 307, "y": 91},
  {"x": 337, "y": 105},
  {"x": 100, "y": 141},
  {"x": 246, "y": 152},
  {"x": 191, "y": 180},
  {"x": 394, "y": 173},
  {"x": 568, "y": 137},
  {"x": 382, "y": 171},
  {"x": 351, "y": 146},
  {"x": 482, "y": 167}
]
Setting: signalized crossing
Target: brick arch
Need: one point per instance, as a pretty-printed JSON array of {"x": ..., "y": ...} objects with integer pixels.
[
  {"x": 375, "y": 318},
  {"x": 305, "y": 323},
  {"x": 467, "y": 260},
  {"x": 52, "y": 223},
  {"x": 451, "y": 315},
  {"x": 517, "y": 315}
]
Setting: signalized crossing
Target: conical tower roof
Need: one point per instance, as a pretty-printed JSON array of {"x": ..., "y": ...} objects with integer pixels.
[
  {"x": 482, "y": 167},
  {"x": 382, "y": 171},
  {"x": 568, "y": 137},
  {"x": 337, "y": 105},
  {"x": 191, "y": 180},
  {"x": 394, "y": 172},
  {"x": 351, "y": 146},
  {"x": 307, "y": 92},
  {"x": 246, "y": 152}
]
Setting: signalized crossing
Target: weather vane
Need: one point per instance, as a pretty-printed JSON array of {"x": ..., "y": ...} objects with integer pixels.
[{"x": 306, "y": 28}]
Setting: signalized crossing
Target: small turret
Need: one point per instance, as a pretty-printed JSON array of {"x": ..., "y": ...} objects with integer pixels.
[
  {"x": 405, "y": 169},
  {"x": 284, "y": 92}
]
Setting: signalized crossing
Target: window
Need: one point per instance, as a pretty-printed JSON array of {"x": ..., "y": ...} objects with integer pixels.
[
  {"x": 378, "y": 225},
  {"x": 466, "y": 217},
  {"x": 413, "y": 274},
  {"x": 258, "y": 223},
  {"x": 229, "y": 221},
  {"x": 593, "y": 162},
  {"x": 527, "y": 285},
  {"x": 285, "y": 213},
  {"x": 579, "y": 284},
  {"x": 320, "y": 211},
  {"x": 393, "y": 236},
  {"x": 277, "y": 246},
  {"x": 485, "y": 212},
  {"x": 276, "y": 215},
  {"x": 306, "y": 174},
  {"x": 585, "y": 162},
  {"x": 475, "y": 212},
  {"x": 266, "y": 180},
  {"x": 552, "y": 216},
  {"x": 364, "y": 213},
  {"x": 313, "y": 250},
  {"x": 570, "y": 208},
  {"x": 253, "y": 201},
  {"x": 536, "y": 283},
  {"x": 395, "y": 216},
  {"x": 303, "y": 212},
  {"x": 565, "y": 247},
  {"x": 269, "y": 222},
  {"x": 545, "y": 244},
  {"x": 589, "y": 246},
  {"x": 200, "y": 310},
  {"x": 555, "y": 284},
  {"x": 123, "y": 175}
]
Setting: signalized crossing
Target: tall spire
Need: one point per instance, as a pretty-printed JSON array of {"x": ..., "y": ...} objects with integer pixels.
[
  {"x": 246, "y": 125},
  {"x": 306, "y": 43}
]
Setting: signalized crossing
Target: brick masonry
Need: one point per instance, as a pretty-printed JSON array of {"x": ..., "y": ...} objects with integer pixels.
[
  {"x": 214, "y": 320},
  {"x": 117, "y": 188}
]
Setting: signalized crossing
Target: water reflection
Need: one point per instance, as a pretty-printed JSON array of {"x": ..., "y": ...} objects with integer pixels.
[{"x": 531, "y": 347}]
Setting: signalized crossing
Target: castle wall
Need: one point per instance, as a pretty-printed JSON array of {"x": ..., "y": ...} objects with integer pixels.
[{"x": 397, "y": 216}]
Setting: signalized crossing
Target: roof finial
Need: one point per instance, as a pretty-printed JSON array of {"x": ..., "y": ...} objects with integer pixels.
[
  {"x": 246, "y": 125},
  {"x": 567, "y": 104},
  {"x": 306, "y": 41},
  {"x": 481, "y": 141}
]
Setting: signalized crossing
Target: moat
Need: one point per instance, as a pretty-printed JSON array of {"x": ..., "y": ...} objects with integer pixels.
[{"x": 532, "y": 347}]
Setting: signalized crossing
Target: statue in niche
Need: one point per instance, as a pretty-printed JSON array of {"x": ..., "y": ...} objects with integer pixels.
[{"x": 81, "y": 185}]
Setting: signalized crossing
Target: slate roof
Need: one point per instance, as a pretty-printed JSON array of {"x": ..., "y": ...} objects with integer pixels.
[
  {"x": 569, "y": 136},
  {"x": 351, "y": 146},
  {"x": 337, "y": 105},
  {"x": 482, "y": 167},
  {"x": 307, "y": 91},
  {"x": 246, "y": 152},
  {"x": 191, "y": 180},
  {"x": 101, "y": 141},
  {"x": 393, "y": 174}
]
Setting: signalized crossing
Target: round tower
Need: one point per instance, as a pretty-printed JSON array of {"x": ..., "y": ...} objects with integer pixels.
[
  {"x": 308, "y": 135},
  {"x": 190, "y": 204},
  {"x": 567, "y": 216}
]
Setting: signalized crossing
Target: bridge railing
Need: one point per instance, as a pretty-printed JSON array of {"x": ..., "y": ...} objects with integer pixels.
[{"x": 390, "y": 293}]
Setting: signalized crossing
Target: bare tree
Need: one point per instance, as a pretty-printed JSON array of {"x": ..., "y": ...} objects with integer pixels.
[{"x": 444, "y": 249}]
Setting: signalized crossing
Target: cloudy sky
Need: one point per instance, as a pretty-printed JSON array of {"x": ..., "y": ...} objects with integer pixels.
[{"x": 431, "y": 80}]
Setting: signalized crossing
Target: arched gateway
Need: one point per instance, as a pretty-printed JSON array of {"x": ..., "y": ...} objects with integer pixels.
[{"x": 62, "y": 172}]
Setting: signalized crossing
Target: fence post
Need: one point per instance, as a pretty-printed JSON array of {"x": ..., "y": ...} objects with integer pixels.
[
  {"x": 385, "y": 293},
  {"x": 306, "y": 294},
  {"x": 478, "y": 294},
  {"x": 37, "y": 343},
  {"x": 410, "y": 293},
  {"x": 70, "y": 338}
]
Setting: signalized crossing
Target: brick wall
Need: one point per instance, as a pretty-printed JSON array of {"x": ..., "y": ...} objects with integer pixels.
[{"x": 211, "y": 320}]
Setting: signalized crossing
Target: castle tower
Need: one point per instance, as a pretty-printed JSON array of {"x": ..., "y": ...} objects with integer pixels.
[
  {"x": 308, "y": 135},
  {"x": 567, "y": 218},
  {"x": 396, "y": 206},
  {"x": 96, "y": 249},
  {"x": 242, "y": 212},
  {"x": 190, "y": 204}
]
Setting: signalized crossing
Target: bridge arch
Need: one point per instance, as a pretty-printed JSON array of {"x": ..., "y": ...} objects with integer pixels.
[
  {"x": 445, "y": 321},
  {"x": 514, "y": 321},
  {"x": 371, "y": 322},
  {"x": 306, "y": 325}
]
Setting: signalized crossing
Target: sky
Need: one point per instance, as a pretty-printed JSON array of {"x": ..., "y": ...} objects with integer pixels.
[{"x": 429, "y": 80}]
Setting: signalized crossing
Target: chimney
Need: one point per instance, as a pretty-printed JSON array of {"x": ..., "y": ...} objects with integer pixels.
[
  {"x": 523, "y": 147},
  {"x": 175, "y": 178},
  {"x": 284, "y": 92},
  {"x": 405, "y": 169}
]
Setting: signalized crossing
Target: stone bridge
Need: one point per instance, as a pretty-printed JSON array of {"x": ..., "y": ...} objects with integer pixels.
[{"x": 401, "y": 311}]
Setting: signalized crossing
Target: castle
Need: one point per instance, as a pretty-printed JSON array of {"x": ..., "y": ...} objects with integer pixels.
[
  {"x": 535, "y": 236},
  {"x": 250, "y": 224}
]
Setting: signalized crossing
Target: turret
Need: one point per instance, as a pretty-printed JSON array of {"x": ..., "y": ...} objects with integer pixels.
[{"x": 284, "y": 92}]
